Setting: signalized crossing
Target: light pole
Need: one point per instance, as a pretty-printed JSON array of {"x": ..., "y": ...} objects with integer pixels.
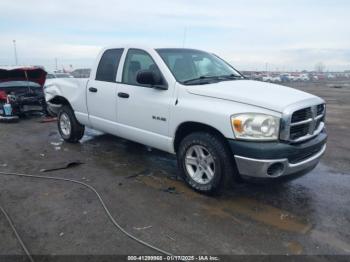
[{"x": 14, "y": 48}]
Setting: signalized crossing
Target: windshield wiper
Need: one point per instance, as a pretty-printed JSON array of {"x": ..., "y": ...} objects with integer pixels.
[
  {"x": 231, "y": 76},
  {"x": 200, "y": 79}
]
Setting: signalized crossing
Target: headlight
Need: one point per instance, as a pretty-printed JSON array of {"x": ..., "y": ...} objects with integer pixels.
[{"x": 254, "y": 126}]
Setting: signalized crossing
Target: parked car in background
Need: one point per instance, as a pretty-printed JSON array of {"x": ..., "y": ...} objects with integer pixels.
[
  {"x": 321, "y": 77},
  {"x": 63, "y": 75},
  {"x": 330, "y": 76},
  {"x": 272, "y": 78},
  {"x": 195, "y": 105},
  {"x": 294, "y": 77},
  {"x": 285, "y": 77},
  {"x": 51, "y": 75},
  {"x": 276, "y": 79},
  {"x": 81, "y": 73},
  {"x": 304, "y": 77},
  {"x": 21, "y": 91},
  {"x": 256, "y": 76},
  {"x": 266, "y": 78}
]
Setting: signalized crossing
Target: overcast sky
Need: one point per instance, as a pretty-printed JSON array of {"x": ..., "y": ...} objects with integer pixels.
[{"x": 250, "y": 34}]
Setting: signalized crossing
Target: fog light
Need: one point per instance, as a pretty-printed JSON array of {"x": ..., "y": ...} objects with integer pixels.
[{"x": 276, "y": 169}]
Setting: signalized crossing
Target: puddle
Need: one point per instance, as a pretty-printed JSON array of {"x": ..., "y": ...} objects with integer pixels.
[
  {"x": 235, "y": 207},
  {"x": 302, "y": 206},
  {"x": 295, "y": 248},
  {"x": 298, "y": 207},
  {"x": 264, "y": 213},
  {"x": 56, "y": 144},
  {"x": 331, "y": 240},
  {"x": 90, "y": 134}
]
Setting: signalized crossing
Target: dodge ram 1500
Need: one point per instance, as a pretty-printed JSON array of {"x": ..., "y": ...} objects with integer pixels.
[{"x": 197, "y": 106}]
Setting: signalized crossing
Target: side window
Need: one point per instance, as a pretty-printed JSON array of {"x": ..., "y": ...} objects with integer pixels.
[
  {"x": 108, "y": 66},
  {"x": 137, "y": 60}
]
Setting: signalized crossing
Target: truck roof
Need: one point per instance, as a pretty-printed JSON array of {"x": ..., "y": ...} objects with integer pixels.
[{"x": 144, "y": 47}]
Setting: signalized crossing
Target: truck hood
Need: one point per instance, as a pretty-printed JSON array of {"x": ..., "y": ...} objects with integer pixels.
[
  {"x": 270, "y": 96},
  {"x": 30, "y": 74}
]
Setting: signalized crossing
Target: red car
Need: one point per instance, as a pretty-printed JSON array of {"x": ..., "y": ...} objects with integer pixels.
[{"x": 21, "y": 91}]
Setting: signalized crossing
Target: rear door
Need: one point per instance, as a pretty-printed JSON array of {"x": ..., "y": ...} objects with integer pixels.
[{"x": 102, "y": 92}]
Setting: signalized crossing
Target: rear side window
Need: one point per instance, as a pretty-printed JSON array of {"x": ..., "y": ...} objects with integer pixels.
[{"x": 108, "y": 66}]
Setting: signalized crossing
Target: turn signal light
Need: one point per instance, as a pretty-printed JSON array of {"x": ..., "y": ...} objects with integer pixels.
[{"x": 237, "y": 124}]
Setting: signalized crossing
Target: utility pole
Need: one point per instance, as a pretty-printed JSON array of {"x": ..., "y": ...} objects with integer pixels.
[
  {"x": 15, "y": 50},
  {"x": 56, "y": 63}
]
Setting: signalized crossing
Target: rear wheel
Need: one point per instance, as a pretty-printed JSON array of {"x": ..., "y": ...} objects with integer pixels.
[
  {"x": 68, "y": 126},
  {"x": 205, "y": 162}
]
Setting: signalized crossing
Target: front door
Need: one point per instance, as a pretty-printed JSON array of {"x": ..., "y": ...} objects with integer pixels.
[{"x": 143, "y": 111}]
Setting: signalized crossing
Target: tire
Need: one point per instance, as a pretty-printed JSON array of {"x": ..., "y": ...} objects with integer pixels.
[
  {"x": 209, "y": 174},
  {"x": 68, "y": 126}
]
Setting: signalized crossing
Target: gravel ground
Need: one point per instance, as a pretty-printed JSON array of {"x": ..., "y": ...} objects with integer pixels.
[{"x": 309, "y": 215}]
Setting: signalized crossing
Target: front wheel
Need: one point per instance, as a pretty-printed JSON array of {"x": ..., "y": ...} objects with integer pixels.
[
  {"x": 205, "y": 162},
  {"x": 68, "y": 126}
]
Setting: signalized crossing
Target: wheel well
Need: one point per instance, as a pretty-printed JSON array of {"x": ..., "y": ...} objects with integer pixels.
[
  {"x": 59, "y": 100},
  {"x": 190, "y": 127}
]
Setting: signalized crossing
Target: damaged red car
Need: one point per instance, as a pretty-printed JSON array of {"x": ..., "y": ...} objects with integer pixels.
[{"x": 21, "y": 92}]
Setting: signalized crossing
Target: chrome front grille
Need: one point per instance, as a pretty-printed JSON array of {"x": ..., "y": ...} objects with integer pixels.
[
  {"x": 304, "y": 123},
  {"x": 299, "y": 131},
  {"x": 320, "y": 109},
  {"x": 301, "y": 115}
]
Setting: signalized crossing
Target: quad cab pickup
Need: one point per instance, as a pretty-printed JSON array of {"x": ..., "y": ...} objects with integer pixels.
[{"x": 195, "y": 105}]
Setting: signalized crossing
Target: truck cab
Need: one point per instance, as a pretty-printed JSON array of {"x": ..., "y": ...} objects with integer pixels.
[{"x": 194, "y": 104}]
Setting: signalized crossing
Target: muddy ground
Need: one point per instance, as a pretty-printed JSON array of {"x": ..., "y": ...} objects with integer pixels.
[{"x": 309, "y": 215}]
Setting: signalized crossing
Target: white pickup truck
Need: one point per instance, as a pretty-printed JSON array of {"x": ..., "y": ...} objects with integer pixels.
[{"x": 195, "y": 105}]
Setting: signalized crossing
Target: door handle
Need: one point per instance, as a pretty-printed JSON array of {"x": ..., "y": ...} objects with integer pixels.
[
  {"x": 123, "y": 95},
  {"x": 93, "y": 89}
]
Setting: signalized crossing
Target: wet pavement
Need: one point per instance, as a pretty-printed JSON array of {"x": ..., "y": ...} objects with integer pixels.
[{"x": 309, "y": 215}]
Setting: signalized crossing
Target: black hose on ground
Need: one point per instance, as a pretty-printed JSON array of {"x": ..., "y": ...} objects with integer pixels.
[
  {"x": 108, "y": 213},
  {"x": 24, "y": 247}
]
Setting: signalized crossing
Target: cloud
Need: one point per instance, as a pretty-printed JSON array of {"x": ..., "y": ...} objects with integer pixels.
[{"x": 291, "y": 34}]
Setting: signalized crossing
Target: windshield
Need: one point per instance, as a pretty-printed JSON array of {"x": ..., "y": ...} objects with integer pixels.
[{"x": 197, "y": 67}]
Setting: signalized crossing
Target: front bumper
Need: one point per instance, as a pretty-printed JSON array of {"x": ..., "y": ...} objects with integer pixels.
[
  {"x": 26, "y": 105},
  {"x": 8, "y": 118},
  {"x": 276, "y": 159}
]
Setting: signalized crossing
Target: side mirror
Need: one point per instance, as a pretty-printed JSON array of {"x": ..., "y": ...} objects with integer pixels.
[{"x": 151, "y": 78}]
